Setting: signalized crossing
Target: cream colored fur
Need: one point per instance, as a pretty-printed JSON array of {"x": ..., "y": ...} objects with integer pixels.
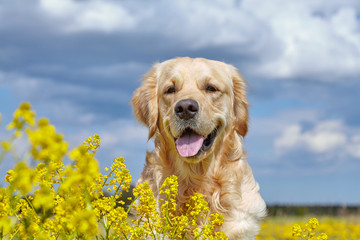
[{"x": 222, "y": 173}]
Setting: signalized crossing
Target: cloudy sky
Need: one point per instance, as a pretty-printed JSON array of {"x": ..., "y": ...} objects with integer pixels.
[{"x": 79, "y": 61}]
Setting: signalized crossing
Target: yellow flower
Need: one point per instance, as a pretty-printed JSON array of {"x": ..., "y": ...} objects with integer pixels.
[
  {"x": 5, "y": 196},
  {"x": 217, "y": 219},
  {"x": 92, "y": 143},
  {"x": 23, "y": 115},
  {"x": 312, "y": 224},
  {"x": 147, "y": 204},
  {"x": 121, "y": 175},
  {"x": 85, "y": 223},
  {"x": 309, "y": 231},
  {"x": 47, "y": 145},
  {"x": 10, "y": 176},
  {"x": 296, "y": 230},
  {"x": 21, "y": 178},
  {"x": 117, "y": 217},
  {"x": 43, "y": 199},
  {"x": 6, "y": 146},
  {"x": 322, "y": 236},
  {"x": 169, "y": 189},
  {"x": 5, "y": 225},
  {"x": 69, "y": 203},
  {"x": 198, "y": 208}
]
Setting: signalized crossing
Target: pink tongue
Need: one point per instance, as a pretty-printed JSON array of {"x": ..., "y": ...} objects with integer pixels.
[{"x": 189, "y": 144}]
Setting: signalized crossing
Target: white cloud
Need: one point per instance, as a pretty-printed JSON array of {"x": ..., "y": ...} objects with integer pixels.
[
  {"x": 205, "y": 24},
  {"x": 313, "y": 41},
  {"x": 195, "y": 24},
  {"x": 291, "y": 39},
  {"x": 319, "y": 39},
  {"x": 95, "y": 15},
  {"x": 290, "y": 137},
  {"x": 325, "y": 137},
  {"x": 354, "y": 146}
]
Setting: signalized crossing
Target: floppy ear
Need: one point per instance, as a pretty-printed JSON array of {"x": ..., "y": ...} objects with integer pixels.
[
  {"x": 144, "y": 102},
  {"x": 240, "y": 104}
]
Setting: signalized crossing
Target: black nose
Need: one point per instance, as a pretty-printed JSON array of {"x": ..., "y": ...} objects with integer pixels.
[{"x": 186, "y": 109}]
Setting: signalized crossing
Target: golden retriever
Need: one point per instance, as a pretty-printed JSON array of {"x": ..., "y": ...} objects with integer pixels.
[{"x": 197, "y": 112}]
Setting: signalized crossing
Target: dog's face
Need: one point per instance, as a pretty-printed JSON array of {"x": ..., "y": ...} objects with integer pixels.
[{"x": 192, "y": 103}]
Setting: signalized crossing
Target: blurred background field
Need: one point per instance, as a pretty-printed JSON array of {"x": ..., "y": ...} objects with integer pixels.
[{"x": 338, "y": 222}]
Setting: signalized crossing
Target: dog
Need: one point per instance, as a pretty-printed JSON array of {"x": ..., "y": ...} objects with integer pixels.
[{"x": 197, "y": 112}]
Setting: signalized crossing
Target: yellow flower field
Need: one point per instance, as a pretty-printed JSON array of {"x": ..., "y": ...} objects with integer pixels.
[
  {"x": 336, "y": 228},
  {"x": 46, "y": 199}
]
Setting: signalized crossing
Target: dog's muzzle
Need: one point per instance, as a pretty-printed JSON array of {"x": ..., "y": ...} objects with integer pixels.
[{"x": 190, "y": 143}]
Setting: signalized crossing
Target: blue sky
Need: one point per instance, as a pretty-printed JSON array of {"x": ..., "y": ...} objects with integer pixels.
[{"x": 79, "y": 61}]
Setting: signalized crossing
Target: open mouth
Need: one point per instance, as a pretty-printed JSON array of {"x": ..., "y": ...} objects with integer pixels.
[{"x": 191, "y": 143}]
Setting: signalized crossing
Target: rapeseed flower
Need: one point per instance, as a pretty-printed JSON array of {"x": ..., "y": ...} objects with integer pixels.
[
  {"x": 22, "y": 116},
  {"x": 21, "y": 178},
  {"x": 296, "y": 230},
  {"x": 48, "y": 200},
  {"x": 283, "y": 229}
]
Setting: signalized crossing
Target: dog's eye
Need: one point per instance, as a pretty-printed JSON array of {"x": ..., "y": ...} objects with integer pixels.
[
  {"x": 170, "y": 90},
  {"x": 211, "y": 88}
]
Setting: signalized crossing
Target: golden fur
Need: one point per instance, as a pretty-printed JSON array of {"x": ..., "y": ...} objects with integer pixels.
[{"x": 220, "y": 173}]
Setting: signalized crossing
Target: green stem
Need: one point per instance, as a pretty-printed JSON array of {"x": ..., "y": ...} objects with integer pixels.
[
  {"x": 30, "y": 204},
  {"x": 107, "y": 228},
  {"x": 108, "y": 176},
  {"x": 15, "y": 233},
  {"x": 165, "y": 229},
  {"x": 118, "y": 188},
  {"x": 202, "y": 232},
  {"x": 167, "y": 213},
  {"x": 152, "y": 230},
  {"x": 128, "y": 210},
  {"x": 125, "y": 236}
]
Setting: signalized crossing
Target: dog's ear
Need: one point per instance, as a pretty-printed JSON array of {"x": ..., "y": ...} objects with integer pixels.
[
  {"x": 240, "y": 103},
  {"x": 144, "y": 101}
]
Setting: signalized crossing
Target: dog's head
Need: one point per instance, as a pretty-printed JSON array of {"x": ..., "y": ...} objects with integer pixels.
[{"x": 191, "y": 102}]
